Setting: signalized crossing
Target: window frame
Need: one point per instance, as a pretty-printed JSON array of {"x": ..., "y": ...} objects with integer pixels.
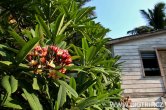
[
  {"x": 160, "y": 64},
  {"x": 142, "y": 66}
]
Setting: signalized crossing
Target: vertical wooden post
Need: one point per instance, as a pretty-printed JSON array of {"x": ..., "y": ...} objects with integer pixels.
[{"x": 161, "y": 64}]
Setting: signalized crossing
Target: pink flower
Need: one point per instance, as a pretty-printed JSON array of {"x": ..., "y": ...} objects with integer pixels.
[
  {"x": 63, "y": 70},
  {"x": 44, "y": 51},
  {"x": 64, "y": 56},
  {"x": 59, "y": 52},
  {"x": 68, "y": 60},
  {"x": 65, "y": 51},
  {"x": 54, "y": 48},
  {"x": 37, "y": 48}
]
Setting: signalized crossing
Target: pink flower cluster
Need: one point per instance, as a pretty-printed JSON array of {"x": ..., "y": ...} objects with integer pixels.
[{"x": 49, "y": 60}]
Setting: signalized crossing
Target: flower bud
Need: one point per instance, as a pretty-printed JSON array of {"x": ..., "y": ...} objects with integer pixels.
[
  {"x": 43, "y": 60},
  {"x": 29, "y": 57}
]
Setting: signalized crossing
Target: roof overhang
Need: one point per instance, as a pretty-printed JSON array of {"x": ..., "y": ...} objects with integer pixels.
[{"x": 135, "y": 37}]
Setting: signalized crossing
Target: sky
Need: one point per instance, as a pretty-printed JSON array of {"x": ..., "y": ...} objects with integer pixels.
[{"x": 121, "y": 16}]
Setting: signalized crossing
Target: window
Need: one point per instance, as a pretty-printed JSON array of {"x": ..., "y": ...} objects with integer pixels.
[{"x": 150, "y": 63}]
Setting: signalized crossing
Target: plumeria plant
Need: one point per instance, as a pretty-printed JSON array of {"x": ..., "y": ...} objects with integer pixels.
[{"x": 54, "y": 57}]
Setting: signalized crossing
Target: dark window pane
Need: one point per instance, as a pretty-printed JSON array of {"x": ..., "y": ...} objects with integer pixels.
[{"x": 150, "y": 63}]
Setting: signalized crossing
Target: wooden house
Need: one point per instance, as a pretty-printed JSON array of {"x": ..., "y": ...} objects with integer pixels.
[{"x": 143, "y": 72}]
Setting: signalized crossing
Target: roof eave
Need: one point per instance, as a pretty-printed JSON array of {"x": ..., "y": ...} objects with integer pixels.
[{"x": 134, "y": 37}]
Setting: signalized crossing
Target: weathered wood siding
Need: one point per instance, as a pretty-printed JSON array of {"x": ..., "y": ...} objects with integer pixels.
[{"x": 133, "y": 80}]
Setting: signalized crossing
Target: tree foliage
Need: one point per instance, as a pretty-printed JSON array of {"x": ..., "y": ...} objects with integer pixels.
[
  {"x": 156, "y": 19},
  {"x": 33, "y": 79},
  {"x": 140, "y": 30}
]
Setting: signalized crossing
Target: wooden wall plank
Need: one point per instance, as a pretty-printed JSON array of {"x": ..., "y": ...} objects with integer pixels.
[
  {"x": 130, "y": 58},
  {"x": 144, "y": 94},
  {"x": 131, "y": 69},
  {"x": 129, "y": 61},
  {"x": 124, "y": 50},
  {"x": 128, "y": 77},
  {"x": 131, "y": 65},
  {"x": 143, "y": 81},
  {"x": 139, "y": 86},
  {"x": 127, "y": 53},
  {"x": 148, "y": 99},
  {"x": 131, "y": 73},
  {"x": 144, "y": 90},
  {"x": 126, "y": 47}
]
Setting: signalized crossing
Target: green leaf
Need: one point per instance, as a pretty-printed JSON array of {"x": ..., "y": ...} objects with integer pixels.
[
  {"x": 90, "y": 54},
  {"x": 116, "y": 91},
  {"x": 59, "y": 24},
  {"x": 97, "y": 107},
  {"x": 56, "y": 106},
  {"x": 27, "y": 33},
  {"x": 75, "y": 68},
  {"x": 10, "y": 84},
  {"x": 84, "y": 12},
  {"x": 35, "y": 84},
  {"x": 70, "y": 89},
  {"x": 12, "y": 105},
  {"x": 59, "y": 39},
  {"x": 5, "y": 63},
  {"x": 33, "y": 33},
  {"x": 26, "y": 49},
  {"x": 85, "y": 47},
  {"x": 6, "y": 84},
  {"x": 61, "y": 96},
  {"x": 73, "y": 83},
  {"x": 85, "y": 86},
  {"x": 19, "y": 40},
  {"x": 13, "y": 84},
  {"x": 92, "y": 100},
  {"x": 62, "y": 75},
  {"x": 32, "y": 100},
  {"x": 44, "y": 26},
  {"x": 75, "y": 57},
  {"x": 39, "y": 106},
  {"x": 85, "y": 35},
  {"x": 64, "y": 27},
  {"x": 62, "y": 45},
  {"x": 87, "y": 102},
  {"x": 91, "y": 91},
  {"x": 78, "y": 51},
  {"x": 39, "y": 33},
  {"x": 3, "y": 54},
  {"x": 99, "y": 70},
  {"x": 8, "y": 48},
  {"x": 85, "y": 44}
]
